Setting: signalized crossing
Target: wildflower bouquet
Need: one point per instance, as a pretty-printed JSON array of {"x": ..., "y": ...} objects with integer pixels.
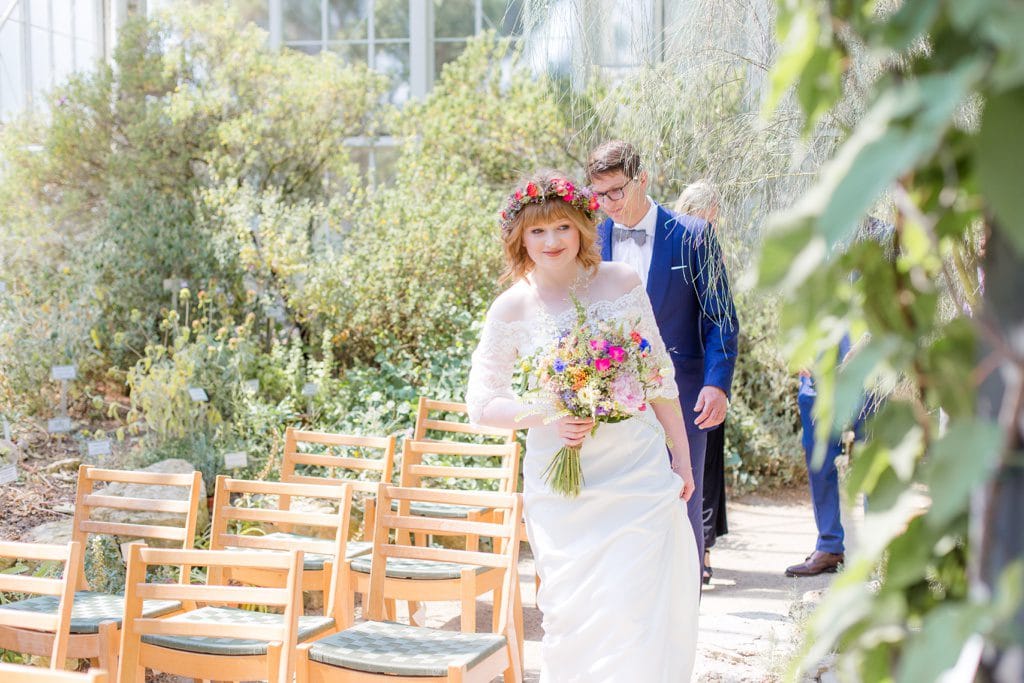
[{"x": 597, "y": 369}]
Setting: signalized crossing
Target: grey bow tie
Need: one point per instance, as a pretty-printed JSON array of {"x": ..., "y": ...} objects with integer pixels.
[{"x": 637, "y": 235}]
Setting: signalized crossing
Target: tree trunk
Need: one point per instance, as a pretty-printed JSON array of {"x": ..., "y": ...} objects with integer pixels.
[{"x": 997, "y": 510}]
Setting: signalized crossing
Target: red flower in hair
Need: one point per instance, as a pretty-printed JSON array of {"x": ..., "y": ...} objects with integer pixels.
[
  {"x": 531, "y": 190},
  {"x": 594, "y": 205},
  {"x": 518, "y": 194}
]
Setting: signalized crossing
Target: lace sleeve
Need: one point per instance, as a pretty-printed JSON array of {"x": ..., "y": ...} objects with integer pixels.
[
  {"x": 649, "y": 329},
  {"x": 490, "y": 375}
]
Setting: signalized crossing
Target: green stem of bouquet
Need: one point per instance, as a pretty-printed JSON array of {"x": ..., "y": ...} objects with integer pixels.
[{"x": 564, "y": 474}]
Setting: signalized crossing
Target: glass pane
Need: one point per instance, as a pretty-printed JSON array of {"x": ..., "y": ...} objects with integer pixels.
[
  {"x": 391, "y": 19},
  {"x": 351, "y": 53},
  {"x": 42, "y": 71},
  {"x": 39, "y": 16},
  {"x": 393, "y": 60},
  {"x": 361, "y": 156},
  {"x": 446, "y": 52},
  {"x": 301, "y": 20},
  {"x": 12, "y": 84},
  {"x": 63, "y": 57},
  {"x": 385, "y": 157},
  {"x": 506, "y": 16},
  {"x": 454, "y": 18},
  {"x": 348, "y": 19},
  {"x": 63, "y": 16},
  {"x": 87, "y": 16},
  {"x": 308, "y": 48},
  {"x": 86, "y": 55},
  {"x": 255, "y": 12}
]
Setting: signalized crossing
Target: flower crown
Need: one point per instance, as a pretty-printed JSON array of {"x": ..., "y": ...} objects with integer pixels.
[{"x": 580, "y": 197}]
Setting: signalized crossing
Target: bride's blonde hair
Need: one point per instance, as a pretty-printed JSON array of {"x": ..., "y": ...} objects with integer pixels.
[{"x": 553, "y": 206}]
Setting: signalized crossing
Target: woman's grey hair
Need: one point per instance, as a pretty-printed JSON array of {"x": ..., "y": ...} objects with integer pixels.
[{"x": 697, "y": 198}]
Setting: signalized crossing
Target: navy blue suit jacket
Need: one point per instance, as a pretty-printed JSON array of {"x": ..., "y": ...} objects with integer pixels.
[{"x": 692, "y": 302}]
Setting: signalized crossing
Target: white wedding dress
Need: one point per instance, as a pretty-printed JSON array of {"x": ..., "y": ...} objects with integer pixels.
[{"x": 619, "y": 587}]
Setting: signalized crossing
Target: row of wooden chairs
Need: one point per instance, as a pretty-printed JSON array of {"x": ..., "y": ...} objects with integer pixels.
[{"x": 327, "y": 565}]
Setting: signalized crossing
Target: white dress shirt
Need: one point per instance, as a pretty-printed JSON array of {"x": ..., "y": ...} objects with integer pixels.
[{"x": 628, "y": 251}]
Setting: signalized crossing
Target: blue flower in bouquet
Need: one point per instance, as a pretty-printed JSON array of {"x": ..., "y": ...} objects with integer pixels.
[{"x": 558, "y": 365}]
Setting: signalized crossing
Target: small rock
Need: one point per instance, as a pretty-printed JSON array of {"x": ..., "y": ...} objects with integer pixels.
[
  {"x": 58, "y": 531},
  {"x": 65, "y": 465}
]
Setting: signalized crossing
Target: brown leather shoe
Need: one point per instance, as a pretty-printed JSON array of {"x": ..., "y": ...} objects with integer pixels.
[{"x": 817, "y": 563}]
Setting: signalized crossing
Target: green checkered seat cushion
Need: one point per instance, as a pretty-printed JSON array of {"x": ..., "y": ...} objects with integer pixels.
[
  {"x": 90, "y": 609},
  {"x": 308, "y": 628},
  {"x": 440, "y": 509},
  {"x": 312, "y": 561},
  {"x": 388, "y": 648},
  {"x": 403, "y": 568}
]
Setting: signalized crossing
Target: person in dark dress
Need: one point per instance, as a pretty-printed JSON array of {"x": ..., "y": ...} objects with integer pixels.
[{"x": 701, "y": 199}]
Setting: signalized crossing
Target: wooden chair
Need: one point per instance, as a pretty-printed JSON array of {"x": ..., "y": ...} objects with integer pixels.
[
  {"x": 45, "y": 630},
  {"x": 415, "y": 471},
  {"x": 16, "y": 673},
  {"x": 363, "y": 473},
  {"x": 321, "y": 570},
  {"x": 209, "y": 640},
  {"x": 385, "y": 651},
  {"x": 431, "y": 428},
  {"x": 443, "y": 428},
  {"x": 96, "y": 617}
]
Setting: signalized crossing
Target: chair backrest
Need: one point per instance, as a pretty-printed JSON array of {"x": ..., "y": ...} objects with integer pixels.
[
  {"x": 221, "y": 536},
  {"x": 444, "y": 428},
  {"x": 363, "y": 462},
  {"x": 288, "y": 598},
  {"x": 33, "y": 674},
  {"x": 58, "y": 623},
  {"x": 87, "y": 503},
  {"x": 506, "y": 535},
  {"x": 415, "y": 470}
]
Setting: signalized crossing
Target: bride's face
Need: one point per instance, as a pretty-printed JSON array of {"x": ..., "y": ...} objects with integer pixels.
[{"x": 552, "y": 245}]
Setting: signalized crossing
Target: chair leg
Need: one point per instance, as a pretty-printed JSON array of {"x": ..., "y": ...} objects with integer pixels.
[
  {"x": 455, "y": 674},
  {"x": 390, "y": 610},
  {"x": 109, "y": 637},
  {"x": 468, "y": 601}
]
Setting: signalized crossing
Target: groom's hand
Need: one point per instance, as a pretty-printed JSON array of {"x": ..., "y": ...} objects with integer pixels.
[{"x": 712, "y": 404}]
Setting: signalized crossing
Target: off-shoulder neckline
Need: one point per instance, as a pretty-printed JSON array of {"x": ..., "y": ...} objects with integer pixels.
[{"x": 568, "y": 314}]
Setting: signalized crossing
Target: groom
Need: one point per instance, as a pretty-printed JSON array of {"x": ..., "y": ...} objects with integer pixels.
[{"x": 680, "y": 263}]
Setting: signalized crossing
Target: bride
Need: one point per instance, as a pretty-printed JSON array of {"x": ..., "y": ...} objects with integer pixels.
[{"x": 619, "y": 588}]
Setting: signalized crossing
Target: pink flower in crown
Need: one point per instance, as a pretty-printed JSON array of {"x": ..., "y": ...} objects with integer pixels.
[
  {"x": 617, "y": 353},
  {"x": 518, "y": 194},
  {"x": 602, "y": 364},
  {"x": 569, "y": 196}
]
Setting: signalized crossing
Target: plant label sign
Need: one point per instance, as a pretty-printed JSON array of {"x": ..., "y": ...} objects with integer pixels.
[
  {"x": 8, "y": 474},
  {"x": 198, "y": 394},
  {"x": 309, "y": 389},
  {"x": 3, "y": 287},
  {"x": 64, "y": 372},
  {"x": 236, "y": 460},
  {"x": 7, "y": 429},
  {"x": 251, "y": 386},
  {"x": 98, "y": 447},
  {"x": 59, "y": 425},
  {"x": 174, "y": 284}
]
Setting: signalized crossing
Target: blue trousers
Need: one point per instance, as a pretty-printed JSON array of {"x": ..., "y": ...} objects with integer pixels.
[{"x": 824, "y": 481}]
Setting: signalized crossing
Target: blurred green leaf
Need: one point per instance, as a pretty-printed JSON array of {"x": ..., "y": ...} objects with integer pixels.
[
  {"x": 958, "y": 462},
  {"x": 1000, "y": 159}
]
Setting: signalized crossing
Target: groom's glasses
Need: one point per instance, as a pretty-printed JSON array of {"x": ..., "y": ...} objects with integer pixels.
[{"x": 614, "y": 194}]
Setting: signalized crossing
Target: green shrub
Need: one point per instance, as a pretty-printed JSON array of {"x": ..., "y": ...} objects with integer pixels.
[{"x": 762, "y": 433}]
